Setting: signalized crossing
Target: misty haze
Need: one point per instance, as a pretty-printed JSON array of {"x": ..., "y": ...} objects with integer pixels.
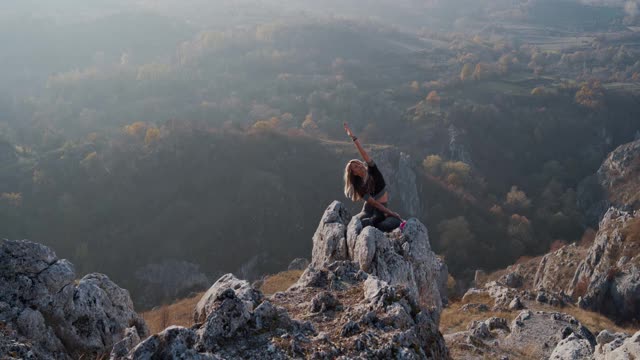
[{"x": 383, "y": 167}]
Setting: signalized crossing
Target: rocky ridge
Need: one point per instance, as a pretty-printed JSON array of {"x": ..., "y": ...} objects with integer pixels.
[{"x": 365, "y": 294}]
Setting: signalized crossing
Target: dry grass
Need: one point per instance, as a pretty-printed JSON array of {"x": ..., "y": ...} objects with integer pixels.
[
  {"x": 454, "y": 320},
  {"x": 594, "y": 321},
  {"x": 280, "y": 281},
  {"x": 179, "y": 313}
]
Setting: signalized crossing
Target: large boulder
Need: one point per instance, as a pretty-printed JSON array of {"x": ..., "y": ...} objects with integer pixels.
[
  {"x": 399, "y": 257},
  {"x": 42, "y": 304},
  {"x": 608, "y": 279},
  {"x": 243, "y": 290}
]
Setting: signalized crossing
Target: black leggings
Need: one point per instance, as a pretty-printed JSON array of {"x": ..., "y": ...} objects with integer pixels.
[{"x": 370, "y": 216}]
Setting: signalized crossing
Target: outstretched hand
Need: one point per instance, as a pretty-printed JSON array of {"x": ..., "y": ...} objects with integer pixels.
[{"x": 346, "y": 128}]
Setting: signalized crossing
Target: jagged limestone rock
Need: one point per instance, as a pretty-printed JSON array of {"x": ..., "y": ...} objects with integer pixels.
[
  {"x": 242, "y": 288},
  {"x": 608, "y": 278},
  {"x": 546, "y": 330},
  {"x": 572, "y": 347},
  {"x": 617, "y": 347},
  {"x": 399, "y": 258},
  {"x": 59, "y": 317}
]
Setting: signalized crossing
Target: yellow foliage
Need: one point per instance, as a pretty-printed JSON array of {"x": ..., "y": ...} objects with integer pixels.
[
  {"x": 309, "y": 124},
  {"x": 136, "y": 129},
  {"x": 415, "y": 87},
  {"x": 270, "y": 124},
  {"x": 13, "y": 199},
  {"x": 591, "y": 95},
  {"x": 458, "y": 172},
  {"x": 432, "y": 163},
  {"x": 152, "y": 135}
]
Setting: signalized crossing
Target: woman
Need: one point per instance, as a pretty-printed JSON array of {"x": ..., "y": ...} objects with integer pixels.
[{"x": 363, "y": 181}]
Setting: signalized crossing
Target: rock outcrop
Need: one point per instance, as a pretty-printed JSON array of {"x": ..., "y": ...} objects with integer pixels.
[
  {"x": 608, "y": 279},
  {"x": 557, "y": 268},
  {"x": 616, "y": 184},
  {"x": 352, "y": 301},
  {"x": 46, "y": 313},
  {"x": 399, "y": 258}
]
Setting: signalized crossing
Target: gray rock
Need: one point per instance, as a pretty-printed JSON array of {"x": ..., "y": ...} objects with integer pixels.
[
  {"x": 175, "y": 342},
  {"x": 227, "y": 315},
  {"x": 603, "y": 286},
  {"x": 572, "y": 348},
  {"x": 544, "y": 330},
  {"x": 516, "y": 304},
  {"x": 329, "y": 240},
  {"x": 513, "y": 280},
  {"x": 398, "y": 258},
  {"x": 122, "y": 347},
  {"x": 617, "y": 346},
  {"x": 58, "y": 316},
  {"x": 242, "y": 289}
]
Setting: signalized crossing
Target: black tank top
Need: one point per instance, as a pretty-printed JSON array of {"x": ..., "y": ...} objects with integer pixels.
[{"x": 375, "y": 185}]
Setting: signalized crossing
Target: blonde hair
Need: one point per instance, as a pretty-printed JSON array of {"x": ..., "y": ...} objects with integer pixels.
[{"x": 349, "y": 178}]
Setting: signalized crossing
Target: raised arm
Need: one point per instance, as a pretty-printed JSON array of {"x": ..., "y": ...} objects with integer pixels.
[{"x": 363, "y": 153}]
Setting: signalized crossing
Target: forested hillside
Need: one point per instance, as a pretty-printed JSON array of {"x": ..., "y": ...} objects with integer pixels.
[{"x": 131, "y": 136}]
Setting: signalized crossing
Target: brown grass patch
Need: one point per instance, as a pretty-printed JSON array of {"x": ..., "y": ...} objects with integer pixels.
[
  {"x": 453, "y": 319},
  {"x": 594, "y": 321},
  {"x": 179, "y": 313},
  {"x": 280, "y": 281}
]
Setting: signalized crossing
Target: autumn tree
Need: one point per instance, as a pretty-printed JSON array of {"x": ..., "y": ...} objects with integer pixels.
[
  {"x": 152, "y": 135},
  {"x": 457, "y": 173},
  {"x": 137, "y": 129},
  {"x": 517, "y": 200},
  {"x": 591, "y": 95},
  {"x": 432, "y": 164}
]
